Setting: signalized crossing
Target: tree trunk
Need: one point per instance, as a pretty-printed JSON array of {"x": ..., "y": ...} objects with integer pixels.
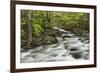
[
  {"x": 43, "y": 20},
  {"x": 29, "y": 27},
  {"x": 81, "y": 26}
]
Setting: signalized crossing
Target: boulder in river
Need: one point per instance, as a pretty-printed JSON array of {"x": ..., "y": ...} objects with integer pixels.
[{"x": 44, "y": 40}]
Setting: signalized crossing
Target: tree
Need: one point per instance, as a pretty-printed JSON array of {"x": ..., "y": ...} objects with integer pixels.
[
  {"x": 38, "y": 25},
  {"x": 29, "y": 28}
]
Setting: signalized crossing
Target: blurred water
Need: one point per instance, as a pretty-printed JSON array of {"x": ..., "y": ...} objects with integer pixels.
[{"x": 68, "y": 48}]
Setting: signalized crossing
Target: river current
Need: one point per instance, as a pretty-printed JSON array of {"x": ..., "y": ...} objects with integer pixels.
[{"x": 68, "y": 48}]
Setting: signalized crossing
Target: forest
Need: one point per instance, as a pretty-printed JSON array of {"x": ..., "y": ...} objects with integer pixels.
[{"x": 40, "y": 27}]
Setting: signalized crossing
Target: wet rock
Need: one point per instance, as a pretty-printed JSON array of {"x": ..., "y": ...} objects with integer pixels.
[
  {"x": 86, "y": 41},
  {"x": 79, "y": 53},
  {"x": 69, "y": 35},
  {"x": 43, "y": 40},
  {"x": 76, "y": 54},
  {"x": 49, "y": 40}
]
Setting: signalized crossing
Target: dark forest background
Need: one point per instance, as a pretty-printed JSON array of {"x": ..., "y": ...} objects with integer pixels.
[{"x": 37, "y": 26}]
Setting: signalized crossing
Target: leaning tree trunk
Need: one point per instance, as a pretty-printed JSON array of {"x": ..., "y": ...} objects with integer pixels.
[{"x": 29, "y": 27}]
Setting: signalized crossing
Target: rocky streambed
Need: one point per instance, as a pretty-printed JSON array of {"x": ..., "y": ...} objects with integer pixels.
[{"x": 68, "y": 48}]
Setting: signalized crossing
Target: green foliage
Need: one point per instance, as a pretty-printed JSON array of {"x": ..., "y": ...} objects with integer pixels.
[
  {"x": 43, "y": 21},
  {"x": 37, "y": 30}
]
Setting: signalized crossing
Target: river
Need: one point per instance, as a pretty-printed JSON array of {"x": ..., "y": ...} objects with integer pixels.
[{"x": 68, "y": 48}]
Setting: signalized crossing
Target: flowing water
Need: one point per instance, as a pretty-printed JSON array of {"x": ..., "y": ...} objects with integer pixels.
[{"x": 68, "y": 48}]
